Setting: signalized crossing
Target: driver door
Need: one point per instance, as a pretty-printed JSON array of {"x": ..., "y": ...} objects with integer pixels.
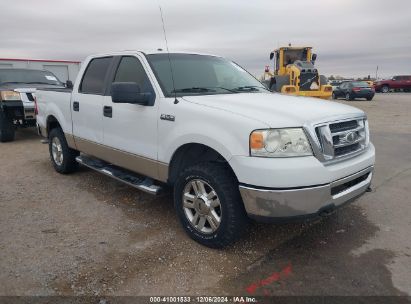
[{"x": 130, "y": 130}]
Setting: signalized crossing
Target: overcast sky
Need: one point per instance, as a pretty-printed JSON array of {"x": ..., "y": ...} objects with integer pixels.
[{"x": 351, "y": 37}]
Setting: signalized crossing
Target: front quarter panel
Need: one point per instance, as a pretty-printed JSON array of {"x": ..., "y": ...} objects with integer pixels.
[{"x": 225, "y": 132}]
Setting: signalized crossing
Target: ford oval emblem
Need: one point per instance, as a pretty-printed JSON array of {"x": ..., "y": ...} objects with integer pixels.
[{"x": 351, "y": 137}]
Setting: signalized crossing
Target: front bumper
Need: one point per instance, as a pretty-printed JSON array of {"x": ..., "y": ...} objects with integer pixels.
[{"x": 265, "y": 204}]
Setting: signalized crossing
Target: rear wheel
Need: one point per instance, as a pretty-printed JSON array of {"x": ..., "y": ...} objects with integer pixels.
[
  {"x": 348, "y": 97},
  {"x": 323, "y": 80},
  {"x": 369, "y": 98},
  {"x": 385, "y": 89},
  {"x": 209, "y": 205},
  {"x": 6, "y": 128},
  {"x": 62, "y": 157}
]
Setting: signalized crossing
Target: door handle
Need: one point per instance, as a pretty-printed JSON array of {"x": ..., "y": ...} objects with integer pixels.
[
  {"x": 108, "y": 111},
  {"x": 76, "y": 106}
]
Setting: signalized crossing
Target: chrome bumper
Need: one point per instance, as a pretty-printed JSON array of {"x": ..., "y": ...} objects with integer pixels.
[{"x": 266, "y": 204}]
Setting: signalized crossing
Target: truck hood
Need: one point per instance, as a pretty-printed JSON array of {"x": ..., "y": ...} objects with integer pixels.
[{"x": 277, "y": 110}]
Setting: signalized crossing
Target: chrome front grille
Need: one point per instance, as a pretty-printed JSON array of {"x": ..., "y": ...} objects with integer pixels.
[{"x": 342, "y": 139}]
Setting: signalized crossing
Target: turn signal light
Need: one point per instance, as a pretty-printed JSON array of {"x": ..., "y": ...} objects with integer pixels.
[{"x": 256, "y": 140}]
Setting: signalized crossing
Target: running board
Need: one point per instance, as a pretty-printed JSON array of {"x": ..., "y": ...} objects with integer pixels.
[{"x": 132, "y": 179}]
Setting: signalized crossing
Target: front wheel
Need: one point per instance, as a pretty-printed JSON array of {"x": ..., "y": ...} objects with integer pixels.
[
  {"x": 385, "y": 89},
  {"x": 61, "y": 155},
  {"x": 334, "y": 96},
  {"x": 6, "y": 128},
  {"x": 209, "y": 204}
]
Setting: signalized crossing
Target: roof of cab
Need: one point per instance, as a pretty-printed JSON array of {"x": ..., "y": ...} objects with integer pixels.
[{"x": 148, "y": 52}]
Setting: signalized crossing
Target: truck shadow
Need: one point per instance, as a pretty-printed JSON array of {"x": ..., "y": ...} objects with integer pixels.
[
  {"x": 26, "y": 134},
  {"x": 320, "y": 261},
  {"x": 318, "y": 255}
]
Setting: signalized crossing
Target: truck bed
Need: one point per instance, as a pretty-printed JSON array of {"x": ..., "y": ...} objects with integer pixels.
[{"x": 55, "y": 102}]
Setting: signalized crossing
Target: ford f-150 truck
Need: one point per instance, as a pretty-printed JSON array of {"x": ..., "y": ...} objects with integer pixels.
[
  {"x": 203, "y": 126},
  {"x": 17, "y": 89}
]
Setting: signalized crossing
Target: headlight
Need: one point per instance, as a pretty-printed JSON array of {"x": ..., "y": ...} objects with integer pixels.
[
  {"x": 279, "y": 143},
  {"x": 365, "y": 133},
  {"x": 9, "y": 95}
]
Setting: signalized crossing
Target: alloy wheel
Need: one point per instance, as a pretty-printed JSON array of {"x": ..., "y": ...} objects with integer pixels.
[
  {"x": 202, "y": 206},
  {"x": 57, "y": 151}
]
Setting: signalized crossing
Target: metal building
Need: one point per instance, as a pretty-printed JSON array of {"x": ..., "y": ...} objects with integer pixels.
[{"x": 63, "y": 69}]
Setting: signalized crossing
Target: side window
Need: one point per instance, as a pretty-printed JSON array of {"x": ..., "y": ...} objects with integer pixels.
[
  {"x": 130, "y": 69},
  {"x": 94, "y": 76}
]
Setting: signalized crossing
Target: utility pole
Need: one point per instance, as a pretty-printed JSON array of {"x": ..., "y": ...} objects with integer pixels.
[{"x": 376, "y": 74}]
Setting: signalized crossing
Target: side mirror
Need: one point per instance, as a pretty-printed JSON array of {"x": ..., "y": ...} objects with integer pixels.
[
  {"x": 314, "y": 57},
  {"x": 271, "y": 55},
  {"x": 128, "y": 92},
  {"x": 69, "y": 84}
]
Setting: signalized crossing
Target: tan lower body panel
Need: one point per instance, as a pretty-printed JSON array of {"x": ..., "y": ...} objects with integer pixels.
[
  {"x": 70, "y": 141},
  {"x": 142, "y": 165}
]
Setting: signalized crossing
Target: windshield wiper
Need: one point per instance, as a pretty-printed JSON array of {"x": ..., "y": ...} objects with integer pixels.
[
  {"x": 192, "y": 90},
  {"x": 249, "y": 88},
  {"x": 202, "y": 89},
  {"x": 39, "y": 82},
  {"x": 222, "y": 88},
  {"x": 11, "y": 82}
]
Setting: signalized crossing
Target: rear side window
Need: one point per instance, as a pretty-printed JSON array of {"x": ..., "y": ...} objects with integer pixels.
[
  {"x": 95, "y": 75},
  {"x": 130, "y": 69}
]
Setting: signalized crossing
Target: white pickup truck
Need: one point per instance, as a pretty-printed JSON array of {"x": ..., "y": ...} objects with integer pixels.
[{"x": 203, "y": 126}]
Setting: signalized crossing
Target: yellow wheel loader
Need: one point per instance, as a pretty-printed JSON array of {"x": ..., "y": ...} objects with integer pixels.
[{"x": 295, "y": 73}]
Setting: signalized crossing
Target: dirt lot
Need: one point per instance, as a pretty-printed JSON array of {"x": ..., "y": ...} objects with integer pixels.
[{"x": 86, "y": 234}]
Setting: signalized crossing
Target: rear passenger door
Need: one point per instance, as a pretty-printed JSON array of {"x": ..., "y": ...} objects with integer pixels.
[
  {"x": 342, "y": 89},
  {"x": 130, "y": 130},
  {"x": 87, "y": 104}
]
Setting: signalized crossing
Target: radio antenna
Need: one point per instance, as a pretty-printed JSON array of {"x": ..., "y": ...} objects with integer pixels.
[{"x": 168, "y": 54}]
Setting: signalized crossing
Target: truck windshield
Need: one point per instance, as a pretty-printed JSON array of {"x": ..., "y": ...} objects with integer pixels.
[
  {"x": 290, "y": 56},
  {"x": 201, "y": 75},
  {"x": 28, "y": 77}
]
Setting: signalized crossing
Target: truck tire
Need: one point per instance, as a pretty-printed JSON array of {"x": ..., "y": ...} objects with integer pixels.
[
  {"x": 62, "y": 157},
  {"x": 6, "y": 128},
  {"x": 385, "y": 89},
  {"x": 209, "y": 205},
  {"x": 323, "y": 80},
  {"x": 279, "y": 82}
]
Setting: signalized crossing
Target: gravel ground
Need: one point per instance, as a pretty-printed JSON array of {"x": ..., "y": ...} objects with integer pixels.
[{"x": 86, "y": 234}]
